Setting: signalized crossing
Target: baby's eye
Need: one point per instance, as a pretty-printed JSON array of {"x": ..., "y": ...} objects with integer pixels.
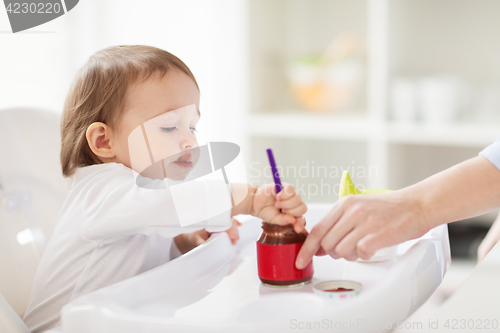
[
  {"x": 192, "y": 129},
  {"x": 168, "y": 129}
]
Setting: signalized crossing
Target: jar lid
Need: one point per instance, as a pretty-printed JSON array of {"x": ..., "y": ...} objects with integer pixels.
[{"x": 337, "y": 289}]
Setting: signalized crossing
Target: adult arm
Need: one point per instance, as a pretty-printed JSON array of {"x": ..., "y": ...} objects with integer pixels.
[{"x": 359, "y": 225}]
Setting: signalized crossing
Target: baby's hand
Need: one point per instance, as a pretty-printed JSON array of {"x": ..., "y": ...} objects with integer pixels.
[
  {"x": 284, "y": 208},
  {"x": 187, "y": 242},
  {"x": 232, "y": 232}
]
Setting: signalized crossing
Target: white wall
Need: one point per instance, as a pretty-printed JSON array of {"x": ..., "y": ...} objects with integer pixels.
[
  {"x": 37, "y": 66},
  {"x": 34, "y": 65}
]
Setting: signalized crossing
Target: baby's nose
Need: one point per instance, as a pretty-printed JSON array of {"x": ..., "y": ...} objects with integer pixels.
[{"x": 189, "y": 142}]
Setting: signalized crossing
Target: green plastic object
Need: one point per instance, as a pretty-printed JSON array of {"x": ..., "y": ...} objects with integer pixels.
[{"x": 347, "y": 187}]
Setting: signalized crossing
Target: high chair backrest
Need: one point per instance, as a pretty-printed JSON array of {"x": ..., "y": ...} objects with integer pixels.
[
  {"x": 32, "y": 191},
  {"x": 10, "y": 322}
]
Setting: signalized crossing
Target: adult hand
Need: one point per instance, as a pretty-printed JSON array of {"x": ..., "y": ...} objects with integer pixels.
[{"x": 359, "y": 225}]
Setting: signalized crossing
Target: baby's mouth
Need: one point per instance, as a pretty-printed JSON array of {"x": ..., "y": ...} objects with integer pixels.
[{"x": 184, "y": 161}]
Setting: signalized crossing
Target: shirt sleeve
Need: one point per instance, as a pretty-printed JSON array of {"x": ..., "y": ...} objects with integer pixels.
[
  {"x": 492, "y": 153},
  {"x": 114, "y": 206}
]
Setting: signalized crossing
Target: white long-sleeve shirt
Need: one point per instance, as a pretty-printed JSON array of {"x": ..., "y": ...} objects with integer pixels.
[{"x": 110, "y": 229}]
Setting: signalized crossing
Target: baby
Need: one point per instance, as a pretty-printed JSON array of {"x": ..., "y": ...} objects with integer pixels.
[{"x": 109, "y": 228}]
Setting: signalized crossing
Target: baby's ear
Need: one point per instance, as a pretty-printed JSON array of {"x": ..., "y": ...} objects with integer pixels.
[{"x": 100, "y": 140}]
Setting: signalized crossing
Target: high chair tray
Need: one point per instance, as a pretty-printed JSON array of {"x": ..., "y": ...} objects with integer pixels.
[{"x": 215, "y": 288}]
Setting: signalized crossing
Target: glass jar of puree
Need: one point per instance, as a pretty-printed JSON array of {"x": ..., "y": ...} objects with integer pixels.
[{"x": 277, "y": 250}]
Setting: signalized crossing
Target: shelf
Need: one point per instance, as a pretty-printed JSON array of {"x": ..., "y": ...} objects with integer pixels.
[
  {"x": 457, "y": 134},
  {"x": 360, "y": 128},
  {"x": 310, "y": 126}
]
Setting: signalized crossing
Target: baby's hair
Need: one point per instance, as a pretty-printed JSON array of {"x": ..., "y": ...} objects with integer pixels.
[{"x": 98, "y": 92}]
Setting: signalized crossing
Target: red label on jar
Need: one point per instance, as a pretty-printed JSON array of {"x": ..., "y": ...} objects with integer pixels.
[{"x": 277, "y": 262}]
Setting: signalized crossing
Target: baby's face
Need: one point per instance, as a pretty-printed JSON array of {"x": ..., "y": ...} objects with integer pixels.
[{"x": 164, "y": 113}]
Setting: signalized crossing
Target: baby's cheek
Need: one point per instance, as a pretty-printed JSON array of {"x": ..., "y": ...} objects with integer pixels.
[
  {"x": 137, "y": 150},
  {"x": 169, "y": 148}
]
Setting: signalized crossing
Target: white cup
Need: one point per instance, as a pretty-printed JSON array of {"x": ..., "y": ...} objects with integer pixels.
[{"x": 404, "y": 100}]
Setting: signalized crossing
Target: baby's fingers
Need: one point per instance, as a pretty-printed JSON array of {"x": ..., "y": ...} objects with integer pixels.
[
  {"x": 233, "y": 233},
  {"x": 299, "y": 225},
  {"x": 289, "y": 203},
  {"x": 287, "y": 192},
  {"x": 297, "y": 211},
  {"x": 282, "y": 219}
]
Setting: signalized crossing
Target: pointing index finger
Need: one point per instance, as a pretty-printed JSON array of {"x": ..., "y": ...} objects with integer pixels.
[{"x": 313, "y": 240}]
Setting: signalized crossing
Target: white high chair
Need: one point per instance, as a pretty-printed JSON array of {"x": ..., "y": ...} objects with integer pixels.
[
  {"x": 215, "y": 288},
  {"x": 9, "y": 320},
  {"x": 32, "y": 191}
]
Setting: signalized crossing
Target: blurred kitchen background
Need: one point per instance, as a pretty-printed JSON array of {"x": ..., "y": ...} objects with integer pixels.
[{"x": 392, "y": 90}]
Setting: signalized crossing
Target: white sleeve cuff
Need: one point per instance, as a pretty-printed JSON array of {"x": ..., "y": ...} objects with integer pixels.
[
  {"x": 174, "y": 251},
  {"x": 492, "y": 153},
  {"x": 197, "y": 201}
]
